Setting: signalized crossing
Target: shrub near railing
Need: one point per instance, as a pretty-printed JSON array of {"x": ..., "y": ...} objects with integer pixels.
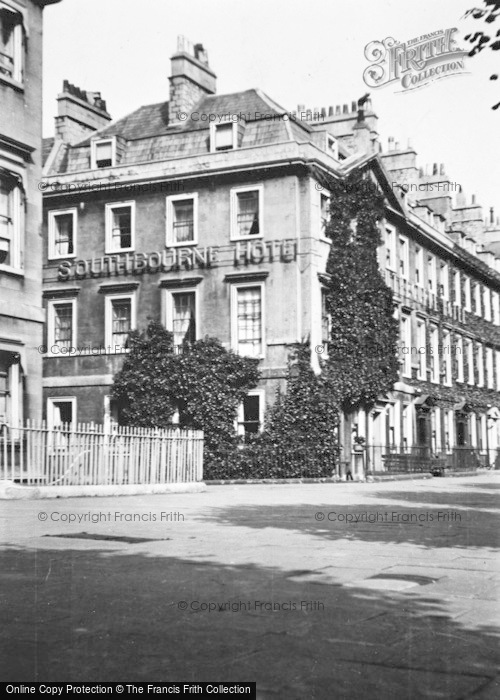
[{"x": 256, "y": 461}]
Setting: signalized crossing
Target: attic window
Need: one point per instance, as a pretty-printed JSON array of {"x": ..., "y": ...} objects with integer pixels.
[
  {"x": 103, "y": 153},
  {"x": 223, "y": 136},
  {"x": 333, "y": 147}
]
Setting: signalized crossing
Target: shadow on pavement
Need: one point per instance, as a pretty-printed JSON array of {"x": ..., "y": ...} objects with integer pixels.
[
  {"x": 432, "y": 518},
  {"x": 113, "y": 615}
]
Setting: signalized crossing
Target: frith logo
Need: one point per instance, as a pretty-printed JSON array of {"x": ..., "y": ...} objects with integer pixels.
[{"x": 414, "y": 63}]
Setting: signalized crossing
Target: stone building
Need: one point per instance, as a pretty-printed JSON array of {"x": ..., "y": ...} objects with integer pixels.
[
  {"x": 21, "y": 312},
  {"x": 207, "y": 212},
  {"x": 441, "y": 257}
]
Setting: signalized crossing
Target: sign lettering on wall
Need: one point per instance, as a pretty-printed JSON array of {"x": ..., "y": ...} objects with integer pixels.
[{"x": 172, "y": 259}]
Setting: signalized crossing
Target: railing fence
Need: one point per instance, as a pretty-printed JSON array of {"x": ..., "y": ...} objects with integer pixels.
[{"x": 89, "y": 454}]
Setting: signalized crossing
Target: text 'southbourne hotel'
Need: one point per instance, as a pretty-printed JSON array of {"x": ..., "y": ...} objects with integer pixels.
[{"x": 207, "y": 212}]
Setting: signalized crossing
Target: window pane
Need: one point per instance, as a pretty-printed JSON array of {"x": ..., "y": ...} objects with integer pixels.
[
  {"x": 184, "y": 317},
  {"x": 248, "y": 213},
  {"x": 6, "y": 223},
  {"x": 122, "y": 316},
  {"x": 63, "y": 325},
  {"x": 251, "y": 414},
  {"x": 63, "y": 243},
  {"x": 62, "y": 412},
  {"x": 183, "y": 224},
  {"x": 7, "y": 23},
  {"x": 249, "y": 321},
  {"x": 121, "y": 234},
  {"x": 104, "y": 154},
  {"x": 223, "y": 137},
  {"x": 325, "y": 211},
  {"x": 325, "y": 318}
]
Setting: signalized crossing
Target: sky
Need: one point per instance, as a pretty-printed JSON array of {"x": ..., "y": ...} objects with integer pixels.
[{"x": 297, "y": 53}]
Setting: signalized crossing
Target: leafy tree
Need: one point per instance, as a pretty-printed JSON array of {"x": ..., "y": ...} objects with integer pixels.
[
  {"x": 143, "y": 387},
  {"x": 362, "y": 362},
  {"x": 479, "y": 40},
  {"x": 307, "y": 415},
  {"x": 205, "y": 384}
]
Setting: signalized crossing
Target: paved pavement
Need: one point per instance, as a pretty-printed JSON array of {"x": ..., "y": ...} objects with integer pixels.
[{"x": 275, "y": 584}]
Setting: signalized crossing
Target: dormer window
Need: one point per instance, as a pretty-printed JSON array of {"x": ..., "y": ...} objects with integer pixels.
[
  {"x": 103, "y": 153},
  {"x": 332, "y": 147},
  {"x": 223, "y": 136}
]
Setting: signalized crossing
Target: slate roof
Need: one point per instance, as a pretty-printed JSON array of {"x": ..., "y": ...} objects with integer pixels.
[
  {"x": 46, "y": 148},
  {"x": 149, "y": 137}
]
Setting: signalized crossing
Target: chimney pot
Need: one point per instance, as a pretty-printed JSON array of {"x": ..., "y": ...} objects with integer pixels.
[
  {"x": 345, "y": 109},
  {"x": 191, "y": 79},
  {"x": 330, "y": 111},
  {"x": 79, "y": 113}
]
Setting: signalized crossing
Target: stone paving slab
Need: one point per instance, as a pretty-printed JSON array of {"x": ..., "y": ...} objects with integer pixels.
[{"x": 101, "y": 610}]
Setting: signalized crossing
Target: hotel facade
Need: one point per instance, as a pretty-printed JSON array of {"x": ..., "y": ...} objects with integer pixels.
[
  {"x": 21, "y": 311},
  {"x": 207, "y": 212}
]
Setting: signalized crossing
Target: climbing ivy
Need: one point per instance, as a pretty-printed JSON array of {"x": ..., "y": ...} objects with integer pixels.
[
  {"x": 204, "y": 384},
  {"x": 362, "y": 361}
]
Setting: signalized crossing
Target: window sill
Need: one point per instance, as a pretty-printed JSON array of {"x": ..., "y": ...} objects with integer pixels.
[
  {"x": 12, "y": 83},
  {"x": 183, "y": 244},
  {"x": 237, "y": 239},
  {"x": 61, "y": 257},
  {"x": 117, "y": 252},
  {"x": 12, "y": 271}
]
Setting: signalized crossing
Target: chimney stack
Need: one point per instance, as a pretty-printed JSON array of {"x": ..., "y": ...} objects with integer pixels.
[
  {"x": 191, "y": 79},
  {"x": 79, "y": 113}
]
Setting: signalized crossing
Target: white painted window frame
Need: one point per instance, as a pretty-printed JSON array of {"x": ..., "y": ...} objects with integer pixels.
[
  {"x": 51, "y": 316},
  {"x": 434, "y": 347},
  {"x": 93, "y": 152},
  {"x": 213, "y": 131},
  {"x": 234, "y": 315},
  {"x": 422, "y": 356},
  {"x": 109, "y": 208},
  {"x": 469, "y": 350},
  {"x": 390, "y": 247},
  {"x": 52, "y": 216},
  {"x": 235, "y": 191},
  {"x": 240, "y": 417},
  {"x": 17, "y": 235},
  {"x": 51, "y": 400},
  {"x": 459, "y": 352},
  {"x": 447, "y": 358},
  {"x": 404, "y": 256},
  {"x": 108, "y": 318},
  {"x": 419, "y": 265},
  {"x": 170, "y": 200},
  {"x": 169, "y": 306}
]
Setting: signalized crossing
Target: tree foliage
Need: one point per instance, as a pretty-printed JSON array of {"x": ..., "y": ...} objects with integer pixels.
[
  {"x": 479, "y": 40},
  {"x": 362, "y": 362},
  {"x": 205, "y": 384},
  {"x": 308, "y": 413}
]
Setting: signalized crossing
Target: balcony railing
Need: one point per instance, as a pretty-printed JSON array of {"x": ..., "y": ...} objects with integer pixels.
[{"x": 425, "y": 299}]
